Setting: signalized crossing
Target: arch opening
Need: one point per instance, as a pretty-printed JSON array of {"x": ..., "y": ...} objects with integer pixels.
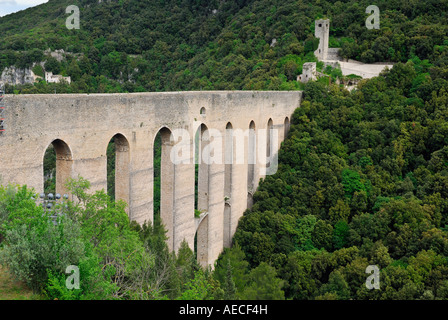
[
  {"x": 286, "y": 126},
  {"x": 228, "y": 171},
  {"x": 163, "y": 183},
  {"x": 202, "y": 169},
  {"x": 269, "y": 143},
  {"x": 118, "y": 159},
  {"x": 57, "y": 167},
  {"x": 251, "y": 158}
]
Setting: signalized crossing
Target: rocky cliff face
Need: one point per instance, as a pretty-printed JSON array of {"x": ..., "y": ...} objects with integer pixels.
[{"x": 14, "y": 76}]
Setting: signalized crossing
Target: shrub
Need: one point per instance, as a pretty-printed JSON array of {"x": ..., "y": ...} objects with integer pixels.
[{"x": 30, "y": 252}]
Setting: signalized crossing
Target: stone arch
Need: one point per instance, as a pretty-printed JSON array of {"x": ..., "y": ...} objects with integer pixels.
[
  {"x": 202, "y": 190},
  {"x": 203, "y": 168},
  {"x": 121, "y": 179},
  {"x": 63, "y": 164},
  {"x": 202, "y": 242},
  {"x": 286, "y": 127},
  {"x": 228, "y": 196},
  {"x": 270, "y": 146},
  {"x": 251, "y": 161},
  {"x": 165, "y": 196},
  {"x": 269, "y": 139}
]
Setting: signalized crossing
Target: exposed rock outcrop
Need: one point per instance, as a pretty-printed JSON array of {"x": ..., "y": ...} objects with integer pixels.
[{"x": 13, "y": 75}]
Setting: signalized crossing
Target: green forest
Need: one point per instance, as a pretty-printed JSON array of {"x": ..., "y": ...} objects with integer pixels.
[
  {"x": 172, "y": 45},
  {"x": 362, "y": 177},
  {"x": 362, "y": 180}
]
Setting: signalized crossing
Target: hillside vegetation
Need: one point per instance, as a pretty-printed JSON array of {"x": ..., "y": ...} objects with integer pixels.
[
  {"x": 362, "y": 180},
  {"x": 170, "y": 45}
]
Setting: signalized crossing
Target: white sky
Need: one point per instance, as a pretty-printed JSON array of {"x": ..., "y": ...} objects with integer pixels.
[{"x": 10, "y": 6}]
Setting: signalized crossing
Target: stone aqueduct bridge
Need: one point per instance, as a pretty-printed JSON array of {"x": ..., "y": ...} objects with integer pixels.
[{"x": 80, "y": 127}]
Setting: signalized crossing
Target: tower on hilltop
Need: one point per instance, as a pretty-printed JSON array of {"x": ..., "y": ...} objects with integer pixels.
[{"x": 322, "y": 31}]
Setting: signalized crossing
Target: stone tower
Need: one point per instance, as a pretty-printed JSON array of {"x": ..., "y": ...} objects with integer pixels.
[
  {"x": 322, "y": 31},
  {"x": 308, "y": 72}
]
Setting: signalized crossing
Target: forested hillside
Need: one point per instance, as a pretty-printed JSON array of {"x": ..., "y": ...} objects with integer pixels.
[
  {"x": 362, "y": 180},
  {"x": 363, "y": 175},
  {"x": 163, "y": 45}
]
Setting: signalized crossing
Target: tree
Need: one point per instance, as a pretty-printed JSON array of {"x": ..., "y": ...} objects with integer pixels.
[
  {"x": 339, "y": 212},
  {"x": 304, "y": 229},
  {"x": 263, "y": 284},
  {"x": 198, "y": 288},
  {"x": 30, "y": 251},
  {"x": 322, "y": 235},
  {"x": 234, "y": 258},
  {"x": 95, "y": 284},
  {"x": 74, "y": 71},
  {"x": 52, "y": 65},
  {"x": 337, "y": 286},
  {"x": 340, "y": 234},
  {"x": 351, "y": 181},
  {"x": 106, "y": 226},
  {"x": 297, "y": 274},
  {"x": 229, "y": 284}
]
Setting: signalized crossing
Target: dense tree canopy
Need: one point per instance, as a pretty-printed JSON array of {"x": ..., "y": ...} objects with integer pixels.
[
  {"x": 171, "y": 45},
  {"x": 362, "y": 180}
]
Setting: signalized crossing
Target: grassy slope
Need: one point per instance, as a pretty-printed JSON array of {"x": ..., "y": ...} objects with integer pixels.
[{"x": 11, "y": 289}]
